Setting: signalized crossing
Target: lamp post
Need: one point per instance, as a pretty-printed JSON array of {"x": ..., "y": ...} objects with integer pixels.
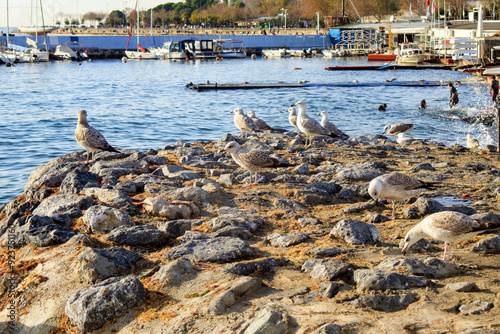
[
  {"x": 317, "y": 26},
  {"x": 285, "y": 10}
]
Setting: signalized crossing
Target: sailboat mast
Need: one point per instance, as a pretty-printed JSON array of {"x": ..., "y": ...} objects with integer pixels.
[
  {"x": 44, "y": 33},
  {"x": 8, "y": 23},
  {"x": 36, "y": 23},
  {"x": 138, "y": 23}
]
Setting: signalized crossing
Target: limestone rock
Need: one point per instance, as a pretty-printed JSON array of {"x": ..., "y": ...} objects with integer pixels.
[
  {"x": 175, "y": 272},
  {"x": 488, "y": 245},
  {"x": 475, "y": 307},
  {"x": 103, "y": 219},
  {"x": 286, "y": 240},
  {"x": 328, "y": 270},
  {"x": 385, "y": 303},
  {"x": 249, "y": 223},
  {"x": 267, "y": 321},
  {"x": 430, "y": 267},
  {"x": 62, "y": 203},
  {"x": 462, "y": 287},
  {"x": 77, "y": 180},
  {"x": 355, "y": 232},
  {"x": 177, "y": 228},
  {"x": 427, "y": 206},
  {"x": 191, "y": 194},
  {"x": 180, "y": 173},
  {"x": 111, "y": 197},
  {"x": 328, "y": 329},
  {"x": 248, "y": 268},
  {"x": 326, "y": 252},
  {"x": 117, "y": 168},
  {"x": 377, "y": 279},
  {"x": 228, "y": 298},
  {"x": 142, "y": 235},
  {"x": 159, "y": 207},
  {"x": 91, "y": 308}
]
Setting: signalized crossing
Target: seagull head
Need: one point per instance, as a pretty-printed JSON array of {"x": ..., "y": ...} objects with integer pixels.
[
  {"x": 299, "y": 104},
  {"x": 324, "y": 113},
  {"x": 251, "y": 114},
  {"x": 82, "y": 116},
  {"x": 232, "y": 147},
  {"x": 386, "y": 128},
  {"x": 237, "y": 111},
  {"x": 413, "y": 235},
  {"x": 292, "y": 111}
]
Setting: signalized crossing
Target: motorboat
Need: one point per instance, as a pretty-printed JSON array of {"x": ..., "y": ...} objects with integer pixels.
[
  {"x": 302, "y": 53},
  {"x": 229, "y": 48},
  {"x": 65, "y": 52},
  {"x": 410, "y": 53},
  {"x": 175, "y": 50},
  {"x": 276, "y": 53}
]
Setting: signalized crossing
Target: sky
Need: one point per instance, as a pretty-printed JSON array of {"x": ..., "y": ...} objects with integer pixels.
[{"x": 19, "y": 10}]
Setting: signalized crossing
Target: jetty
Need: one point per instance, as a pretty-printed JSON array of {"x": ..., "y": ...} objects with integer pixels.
[
  {"x": 246, "y": 85},
  {"x": 393, "y": 66}
]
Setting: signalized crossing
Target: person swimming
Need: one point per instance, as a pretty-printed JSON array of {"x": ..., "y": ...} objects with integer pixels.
[
  {"x": 383, "y": 107},
  {"x": 423, "y": 105}
]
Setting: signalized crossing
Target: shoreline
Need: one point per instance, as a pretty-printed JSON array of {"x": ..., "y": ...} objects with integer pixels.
[{"x": 198, "y": 251}]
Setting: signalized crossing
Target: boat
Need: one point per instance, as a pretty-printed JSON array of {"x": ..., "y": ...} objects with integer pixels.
[
  {"x": 65, "y": 52},
  {"x": 302, "y": 53},
  {"x": 175, "y": 50},
  {"x": 36, "y": 30},
  {"x": 229, "y": 48},
  {"x": 141, "y": 53},
  {"x": 275, "y": 53},
  {"x": 410, "y": 53}
]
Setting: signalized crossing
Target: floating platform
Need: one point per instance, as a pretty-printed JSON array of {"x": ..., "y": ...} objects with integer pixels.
[
  {"x": 217, "y": 86},
  {"x": 381, "y": 57},
  {"x": 389, "y": 67}
]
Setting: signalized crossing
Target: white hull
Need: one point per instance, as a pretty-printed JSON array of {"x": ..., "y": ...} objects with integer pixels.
[
  {"x": 36, "y": 30},
  {"x": 410, "y": 59},
  {"x": 281, "y": 53},
  {"x": 140, "y": 55}
]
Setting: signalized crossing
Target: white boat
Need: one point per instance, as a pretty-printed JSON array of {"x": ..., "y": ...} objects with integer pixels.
[
  {"x": 276, "y": 53},
  {"x": 65, "y": 52},
  {"x": 35, "y": 30},
  {"x": 302, "y": 53},
  {"x": 175, "y": 50},
  {"x": 410, "y": 53},
  {"x": 141, "y": 53},
  {"x": 229, "y": 48}
]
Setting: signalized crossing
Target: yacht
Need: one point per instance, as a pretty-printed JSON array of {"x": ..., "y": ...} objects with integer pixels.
[{"x": 410, "y": 53}]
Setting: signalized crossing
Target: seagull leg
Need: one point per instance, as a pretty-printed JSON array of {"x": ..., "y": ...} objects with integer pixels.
[
  {"x": 447, "y": 252},
  {"x": 86, "y": 162},
  {"x": 393, "y": 210},
  {"x": 255, "y": 178}
]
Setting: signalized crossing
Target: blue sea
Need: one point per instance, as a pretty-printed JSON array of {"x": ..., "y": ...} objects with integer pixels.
[{"x": 145, "y": 104}]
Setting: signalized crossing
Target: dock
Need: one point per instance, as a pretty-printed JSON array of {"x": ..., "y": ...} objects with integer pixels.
[
  {"x": 390, "y": 67},
  {"x": 217, "y": 86}
]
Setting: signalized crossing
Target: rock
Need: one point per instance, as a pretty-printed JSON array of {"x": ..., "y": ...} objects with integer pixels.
[
  {"x": 103, "y": 219},
  {"x": 228, "y": 179},
  {"x": 62, "y": 203},
  {"x": 421, "y": 246},
  {"x": 286, "y": 240},
  {"x": 247, "y": 222},
  {"x": 430, "y": 267},
  {"x": 427, "y": 206},
  {"x": 385, "y": 303},
  {"x": 158, "y": 207},
  {"x": 362, "y": 172},
  {"x": 355, "y": 232},
  {"x": 326, "y": 252},
  {"x": 320, "y": 189},
  {"x": 358, "y": 207},
  {"x": 111, "y": 197},
  {"x": 422, "y": 166},
  {"x": 308, "y": 221},
  {"x": 328, "y": 329},
  {"x": 411, "y": 212},
  {"x": 481, "y": 330},
  {"x": 175, "y": 272},
  {"x": 377, "y": 279},
  {"x": 462, "y": 209},
  {"x": 77, "y": 180},
  {"x": 191, "y": 194},
  {"x": 328, "y": 270},
  {"x": 117, "y": 168},
  {"x": 250, "y": 267},
  {"x": 490, "y": 217},
  {"x": 302, "y": 169},
  {"x": 180, "y": 173},
  {"x": 267, "y": 321},
  {"x": 376, "y": 218},
  {"x": 232, "y": 231},
  {"x": 220, "y": 250},
  {"x": 142, "y": 235},
  {"x": 177, "y": 228},
  {"x": 287, "y": 204},
  {"x": 462, "y": 287},
  {"x": 91, "y": 308},
  {"x": 228, "y": 298},
  {"x": 92, "y": 265},
  {"x": 475, "y": 307},
  {"x": 488, "y": 245}
]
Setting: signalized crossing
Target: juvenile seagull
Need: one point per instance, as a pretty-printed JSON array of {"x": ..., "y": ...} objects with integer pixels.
[
  {"x": 244, "y": 122},
  {"x": 394, "y": 129},
  {"x": 261, "y": 124},
  {"x": 396, "y": 187},
  {"x": 447, "y": 226},
  {"x": 89, "y": 138},
  {"x": 330, "y": 126},
  {"x": 252, "y": 160},
  {"x": 292, "y": 117},
  {"x": 308, "y": 125},
  {"x": 472, "y": 142}
]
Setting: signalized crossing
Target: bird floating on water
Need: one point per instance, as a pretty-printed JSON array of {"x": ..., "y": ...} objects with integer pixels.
[
  {"x": 244, "y": 123},
  {"x": 394, "y": 129},
  {"x": 309, "y": 126},
  {"x": 89, "y": 138},
  {"x": 396, "y": 187},
  {"x": 252, "y": 160},
  {"x": 447, "y": 226}
]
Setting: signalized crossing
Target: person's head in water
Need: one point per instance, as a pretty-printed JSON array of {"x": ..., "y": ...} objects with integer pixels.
[{"x": 423, "y": 104}]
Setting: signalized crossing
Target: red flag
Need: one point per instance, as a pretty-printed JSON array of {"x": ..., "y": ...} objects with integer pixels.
[
  {"x": 141, "y": 48},
  {"x": 428, "y": 3}
]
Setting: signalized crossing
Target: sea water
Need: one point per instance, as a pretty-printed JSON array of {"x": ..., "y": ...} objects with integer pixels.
[{"x": 145, "y": 104}]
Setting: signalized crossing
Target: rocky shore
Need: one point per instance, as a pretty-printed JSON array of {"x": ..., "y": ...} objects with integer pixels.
[{"x": 170, "y": 241}]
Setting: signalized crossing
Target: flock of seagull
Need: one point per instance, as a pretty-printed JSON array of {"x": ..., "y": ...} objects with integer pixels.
[{"x": 446, "y": 226}]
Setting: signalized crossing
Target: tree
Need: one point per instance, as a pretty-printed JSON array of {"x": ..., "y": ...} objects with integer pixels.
[{"x": 115, "y": 18}]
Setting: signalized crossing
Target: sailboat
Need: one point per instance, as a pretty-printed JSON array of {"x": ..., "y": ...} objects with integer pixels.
[
  {"x": 141, "y": 53},
  {"x": 7, "y": 56}
]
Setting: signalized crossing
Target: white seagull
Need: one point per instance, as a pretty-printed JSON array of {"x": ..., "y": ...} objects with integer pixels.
[
  {"x": 89, "y": 138},
  {"x": 330, "y": 126},
  {"x": 472, "y": 142},
  {"x": 292, "y": 117},
  {"x": 403, "y": 139},
  {"x": 396, "y": 187},
  {"x": 447, "y": 226},
  {"x": 244, "y": 123},
  {"x": 252, "y": 160},
  {"x": 309, "y": 126},
  {"x": 261, "y": 124},
  {"x": 394, "y": 129}
]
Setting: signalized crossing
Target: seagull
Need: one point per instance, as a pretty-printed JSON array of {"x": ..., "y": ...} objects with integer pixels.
[
  {"x": 447, "y": 226},
  {"x": 252, "y": 160},
  {"x": 261, "y": 124},
  {"x": 396, "y": 187},
  {"x": 394, "y": 129},
  {"x": 292, "y": 118},
  {"x": 330, "y": 126},
  {"x": 244, "y": 122},
  {"x": 390, "y": 80},
  {"x": 308, "y": 125},
  {"x": 403, "y": 139},
  {"x": 89, "y": 138},
  {"x": 355, "y": 81},
  {"x": 472, "y": 142}
]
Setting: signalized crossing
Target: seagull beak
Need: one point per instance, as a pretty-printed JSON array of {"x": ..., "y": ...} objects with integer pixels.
[
  {"x": 292, "y": 105},
  {"x": 376, "y": 202},
  {"x": 405, "y": 249}
]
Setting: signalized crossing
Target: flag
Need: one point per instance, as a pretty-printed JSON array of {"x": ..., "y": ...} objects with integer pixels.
[{"x": 428, "y": 3}]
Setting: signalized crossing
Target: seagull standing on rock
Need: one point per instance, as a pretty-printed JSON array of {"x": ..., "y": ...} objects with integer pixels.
[
  {"x": 244, "y": 122},
  {"x": 330, "y": 126},
  {"x": 447, "y": 226},
  {"x": 292, "y": 117},
  {"x": 89, "y": 138},
  {"x": 394, "y": 129},
  {"x": 309, "y": 126},
  {"x": 261, "y": 124},
  {"x": 396, "y": 187},
  {"x": 472, "y": 142},
  {"x": 252, "y": 160}
]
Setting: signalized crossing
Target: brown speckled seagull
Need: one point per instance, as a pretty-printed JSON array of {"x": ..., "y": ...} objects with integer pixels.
[
  {"x": 330, "y": 126},
  {"x": 394, "y": 129},
  {"x": 244, "y": 122},
  {"x": 89, "y": 138},
  {"x": 309, "y": 126},
  {"x": 447, "y": 226},
  {"x": 397, "y": 187},
  {"x": 252, "y": 160},
  {"x": 261, "y": 124}
]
